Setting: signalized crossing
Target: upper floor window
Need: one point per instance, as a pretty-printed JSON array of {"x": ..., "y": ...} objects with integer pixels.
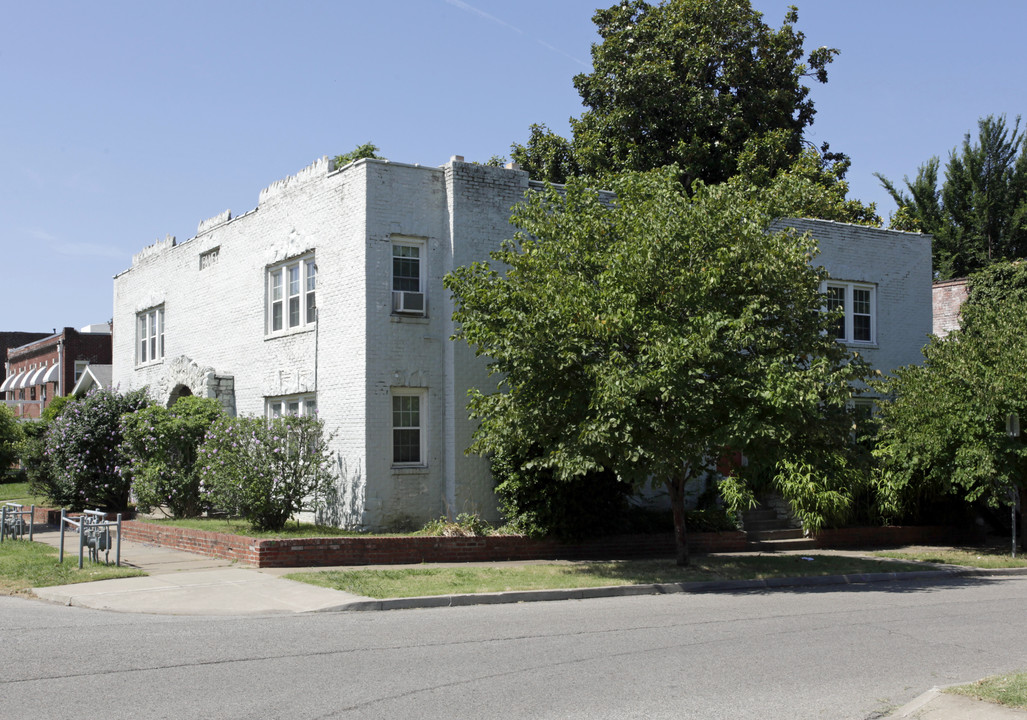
[
  {"x": 408, "y": 296},
  {"x": 80, "y": 367},
  {"x": 291, "y": 288},
  {"x": 858, "y": 303},
  {"x": 149, "y": 336}
]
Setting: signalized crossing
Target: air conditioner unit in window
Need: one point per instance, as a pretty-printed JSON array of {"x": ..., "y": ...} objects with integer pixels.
[{"x": 408, "y": 303}]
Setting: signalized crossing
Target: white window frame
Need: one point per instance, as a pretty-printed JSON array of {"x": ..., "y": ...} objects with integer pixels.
[
  {"x": 421, "y": 395},
  {"x": 284, "y": 405},
  {"x": 150, "y": 336},
  {"x": 80, "y": 369},
  {"x": 291, "y": 290},
  {"x": 849, "y": 293},
  {"x": 404, "y": 300}
]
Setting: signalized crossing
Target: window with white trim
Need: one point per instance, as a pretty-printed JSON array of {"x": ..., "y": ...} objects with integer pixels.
[
  {"x": 409, "y": 406},
  {"x": 149, "y": 336},
  {"x": 858, "y": 303},
  {"x": 291, "y": 299},
  {"x": 80, "y": 368},
  {"x": 408, "y": 296},
  {"x": 297, "y": 405}
]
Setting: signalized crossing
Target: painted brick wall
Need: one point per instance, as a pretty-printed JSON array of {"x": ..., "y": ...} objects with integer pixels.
[
  {"x": 899, "y": 265},
  {"x": 947, "y": 300}
]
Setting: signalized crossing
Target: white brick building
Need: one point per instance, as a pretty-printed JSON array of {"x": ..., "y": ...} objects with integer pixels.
[{"x": 230, "y": 313}]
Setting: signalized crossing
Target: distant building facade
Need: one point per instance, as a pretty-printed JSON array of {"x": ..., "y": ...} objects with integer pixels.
[
  {"x": 947, "y": 300},
  {"x": 40, "y": 370}
]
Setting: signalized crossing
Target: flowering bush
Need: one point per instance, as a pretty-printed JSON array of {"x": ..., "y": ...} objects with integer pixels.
[
  {"x": 161, "y": 445},
  {"x": 266, "y": 470},
  {"x": 83, "y": 451}
]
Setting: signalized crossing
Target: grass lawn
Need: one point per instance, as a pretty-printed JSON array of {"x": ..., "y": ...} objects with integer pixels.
[
  {"x": 983, "y": 557},
  {"x": 415, "y": 582},
  {"x": 25, "y": 565},
  {"x": 19, "y": 493},
  {"x": 241, "y": 527},
  {"x": 1010, "y": 690}
]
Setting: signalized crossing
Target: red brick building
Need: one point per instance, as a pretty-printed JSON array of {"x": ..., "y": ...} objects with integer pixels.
[
  {"x": 40, "y": 370},
  {"x": 947, "y": 298}
]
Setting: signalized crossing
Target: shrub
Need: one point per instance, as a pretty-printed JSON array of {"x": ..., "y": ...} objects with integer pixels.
[
  {"x": 10, "y": 440},
  {"x": 265, "y": 470},
  {"x": 32, "y": 449},
  {"x": 84, "y": 451},
  {"x": 161, "y": 445}
]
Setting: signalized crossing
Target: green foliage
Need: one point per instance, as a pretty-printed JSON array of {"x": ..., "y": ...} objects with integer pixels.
[
  {"x": 11, "y": 437},
  {"x": 84, "y": 451},
  {"x": 161, "y": 445},
  {"x": 367, "y": 150},
  {"x": 538, "y": 503},
  {"x": 979, "y": 214},
  {"x": 32, "y": 449},
  {"x": 265, "y": 470},
  {"x": 944, "y": 432},
  {"x": 465, "y": 525},
  {"x": 685, "y": 82},
  {"x": 642, "y": 336},
  {"x": 547, "y": 156}
]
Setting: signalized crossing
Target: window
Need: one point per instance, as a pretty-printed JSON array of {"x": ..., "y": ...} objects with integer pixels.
[
  {"x": 408, "y": 414},
  {"x": 297, "y": 405},
  {"x": 407, "y": 278},
  {"x": 80, "y": 368},
  {"x": 150, "y": 336},
  {"x": 290, "y": 292},
  {"x": 209, "y": 258},
  {"x": 858, "y": 303}
]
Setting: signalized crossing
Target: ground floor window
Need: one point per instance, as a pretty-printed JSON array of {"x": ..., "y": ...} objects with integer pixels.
[
  {"x": 408, "y": 418},
  {"x": 296, "y": 405}
]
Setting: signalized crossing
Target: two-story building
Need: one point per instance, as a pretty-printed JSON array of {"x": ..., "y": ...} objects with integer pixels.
[
  {"x": 50, "y": 366},
  {"x": 328, "y": 298}
]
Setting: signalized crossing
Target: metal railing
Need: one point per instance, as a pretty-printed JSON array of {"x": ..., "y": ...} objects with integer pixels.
[
  {"x": 12, "y": 520},
  {"x": 94, "y": 532}
]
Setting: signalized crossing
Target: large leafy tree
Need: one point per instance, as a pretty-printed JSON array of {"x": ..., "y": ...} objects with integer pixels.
[
  {"x": 686, "y": 82},
  {"x": 644, "y": 335},
  {"x": 11, "y": 436},
  {"x": 944, "y": 432},
  {"x": 978, "y": 215}
]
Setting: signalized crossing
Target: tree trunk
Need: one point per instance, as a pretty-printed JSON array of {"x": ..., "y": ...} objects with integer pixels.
[
  {"x": 1023, "y": 518},
  {"x": 676, "y": 486}
]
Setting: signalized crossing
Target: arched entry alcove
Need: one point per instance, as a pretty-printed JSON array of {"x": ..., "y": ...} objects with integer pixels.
[{"x": 179, "y": 391}]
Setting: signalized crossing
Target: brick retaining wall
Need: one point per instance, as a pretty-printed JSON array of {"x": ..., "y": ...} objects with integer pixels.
[{"x": 325, "y": 551}]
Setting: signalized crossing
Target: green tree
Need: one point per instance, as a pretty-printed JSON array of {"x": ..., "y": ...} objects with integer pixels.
[
  {"x": 979, "y": 214},
  {"x": 161, "y": 446},
  {"x": 367, "y": 150},
  {"x": 645, "y": 335},
  {"x": 32, "y": 449},
  {"x": 684, "y": 82},
  {"x": 84, "y": 451},
  {"x": 943, "y": 433},
  {"x": 11, "y": 438}
]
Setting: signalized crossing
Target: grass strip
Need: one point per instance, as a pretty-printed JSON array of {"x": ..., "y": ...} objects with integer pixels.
[
  {"x": 455, "y": 580},
  {"x": 983, "y": 557},
  {"x": 25, "y": 565},
  {"x": 19, "y": 492},
  {"x": 1009, "y": 690}
]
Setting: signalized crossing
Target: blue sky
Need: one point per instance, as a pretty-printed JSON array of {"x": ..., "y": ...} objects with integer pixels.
[{"x": 124, "y": 122}]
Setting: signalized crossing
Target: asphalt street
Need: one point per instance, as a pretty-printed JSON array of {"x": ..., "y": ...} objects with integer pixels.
[{"x": 840, "y": 652}]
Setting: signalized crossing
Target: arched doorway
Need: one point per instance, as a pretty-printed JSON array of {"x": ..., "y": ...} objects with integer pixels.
[{"x": 180, "y": 391}]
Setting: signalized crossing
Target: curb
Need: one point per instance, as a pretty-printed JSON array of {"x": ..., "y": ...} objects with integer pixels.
[{"x": 519, "y": 596}]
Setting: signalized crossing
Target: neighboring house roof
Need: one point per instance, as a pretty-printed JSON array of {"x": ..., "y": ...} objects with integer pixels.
[{"x": 93, "y": 376}]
